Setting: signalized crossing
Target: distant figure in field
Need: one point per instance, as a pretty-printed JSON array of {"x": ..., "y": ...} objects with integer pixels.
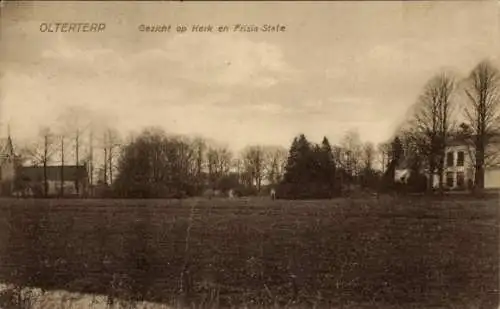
[
  {"x": 273, "y": 194},
  {"x": 230, "y": 194}
]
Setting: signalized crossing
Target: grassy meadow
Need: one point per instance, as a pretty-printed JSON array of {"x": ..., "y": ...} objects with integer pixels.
[{"x": 342, "y": 253}]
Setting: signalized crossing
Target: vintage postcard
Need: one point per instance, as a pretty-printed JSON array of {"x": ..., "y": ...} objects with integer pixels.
[{"x": 231, "y": 154}]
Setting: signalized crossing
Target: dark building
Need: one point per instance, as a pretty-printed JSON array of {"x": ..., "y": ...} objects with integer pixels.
[{"x": 72, "y": 179}]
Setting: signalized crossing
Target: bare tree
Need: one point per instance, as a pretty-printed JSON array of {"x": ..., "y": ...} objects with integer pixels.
[
  {"x": 63, "y": 126},
  {"x": 275, "y": 162},
  {"x": 352, "y": 152},
  {"x": 432, "y": 121},
  {"x": 384, "y": 150},
  {"x": 41, "y": 152},
  {"x": 185, "y": 155},
  {"x": 61, "y": 138},
  {"x": 90, "y": 158},
  {"x": 76, "y": 121},
  {"x": 105, "y": 166},
  {"x": 199, "y": 147},
  {"x": 47, "y": 142},
  {"x": 482, "y": 112},
  {"x": 368, "y": 155},
  {"x": 77, "y": 158},
  {"x": 110, "y": 143},
  {"x": 238, "y": 165},
  {"x": 414, "y": 149},
  {"x": 219, "y": 161},
  {"x": 157, "y": 165},
  {"x": 254, "y": 165},
  {"x": 339, "y": 157}
]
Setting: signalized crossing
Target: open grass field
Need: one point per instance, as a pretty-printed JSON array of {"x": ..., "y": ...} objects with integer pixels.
[{"x": 356, "y": 253}]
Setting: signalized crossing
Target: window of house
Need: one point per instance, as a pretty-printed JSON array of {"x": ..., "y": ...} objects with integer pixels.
[
  {"x": 460, "y": 158},
  {"x": 461, "y": 180},
  {"x": 449, "y": 179},
  {"x": 449, "y": 159}
]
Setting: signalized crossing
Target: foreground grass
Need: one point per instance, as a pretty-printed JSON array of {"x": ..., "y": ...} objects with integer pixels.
[{"x": 255, "y": 252}]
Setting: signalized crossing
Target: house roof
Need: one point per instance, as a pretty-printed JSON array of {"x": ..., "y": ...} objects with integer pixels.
[
  {"x": 70, "y": 173},
  {"x": 459, "y": 139}
]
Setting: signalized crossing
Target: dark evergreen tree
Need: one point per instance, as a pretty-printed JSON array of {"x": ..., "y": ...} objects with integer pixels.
[
  {"x": 297, "y": 169},
  {"x": 310, "y": 170},
  {"x": 315, "y": 165},
  {"x": 291, "y": 175},
  {"x": 304, "y": 159},
  {"x": 327, "y": 166}
]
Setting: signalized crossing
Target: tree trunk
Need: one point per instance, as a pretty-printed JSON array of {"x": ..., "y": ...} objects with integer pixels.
[
  {"x": 198, "y": 167},
  {"x": 45, "y": 158},
  {"x": 77, "y": 183},
  {"x": 45, "y": 184},
  {"x": 441, "y": 174},
  {"x": 105, "y": 165},
  {"x": 259, "y": 182},
  {"x": 479, "y": 169},
  {"x": 62, "y": 167},
  {"x": 110, "y": 165},
  {"x": 91, "y": 163},
  {"x": 430, "y": 180}
]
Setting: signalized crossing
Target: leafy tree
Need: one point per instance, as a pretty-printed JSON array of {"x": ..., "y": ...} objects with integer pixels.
[
  {"x": 327, "y": 165},
  {"x": 291, "y": 168}
]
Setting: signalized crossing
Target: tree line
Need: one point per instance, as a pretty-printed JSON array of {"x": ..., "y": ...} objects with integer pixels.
[{"x": 153, "y": 163}]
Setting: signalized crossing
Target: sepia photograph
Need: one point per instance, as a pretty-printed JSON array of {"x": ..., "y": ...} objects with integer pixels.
[{"x": 249, "y": 154}]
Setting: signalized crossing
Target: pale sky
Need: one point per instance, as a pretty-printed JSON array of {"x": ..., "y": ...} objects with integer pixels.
[{"x": 338, "y": 65}]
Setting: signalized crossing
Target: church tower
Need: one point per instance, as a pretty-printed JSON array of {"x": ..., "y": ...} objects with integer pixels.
[{"x": 7, "y": 165}]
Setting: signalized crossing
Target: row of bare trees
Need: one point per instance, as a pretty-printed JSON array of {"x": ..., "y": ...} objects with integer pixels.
[
  {"x": 358, "y": 159},
  {"x": 75, "y": 139},
  {"x": 454, "y": 110}
]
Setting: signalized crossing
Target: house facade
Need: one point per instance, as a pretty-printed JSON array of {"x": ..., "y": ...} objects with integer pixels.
[{"x": 459, "y": 171}]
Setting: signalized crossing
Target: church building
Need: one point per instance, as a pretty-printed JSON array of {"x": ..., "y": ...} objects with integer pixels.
[{"x": 7, "y": 166}]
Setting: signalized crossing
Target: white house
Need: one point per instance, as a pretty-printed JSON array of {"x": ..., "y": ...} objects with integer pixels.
[{"x": 459, "y": 165}]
